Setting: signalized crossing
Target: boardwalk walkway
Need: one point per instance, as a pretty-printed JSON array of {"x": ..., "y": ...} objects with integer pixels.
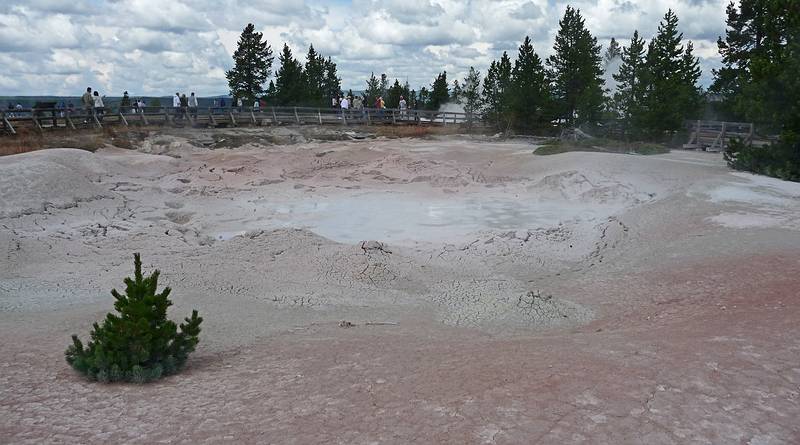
[{"x": 53, "y": 119}]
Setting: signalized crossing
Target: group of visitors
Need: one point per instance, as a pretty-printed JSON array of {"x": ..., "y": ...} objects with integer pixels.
[
  {"x": 357, "y": 103},
  {"x": 13, "y": 110},
  {"x": 92, "y": 105},
  {"x": 184, "y": 106}
]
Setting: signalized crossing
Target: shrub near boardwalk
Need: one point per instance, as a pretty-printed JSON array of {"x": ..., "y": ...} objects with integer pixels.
[{"x": 140, "y": 344}]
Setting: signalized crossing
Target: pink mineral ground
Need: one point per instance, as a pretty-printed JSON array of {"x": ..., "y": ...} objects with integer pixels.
[{"x": 492, "y": 295}]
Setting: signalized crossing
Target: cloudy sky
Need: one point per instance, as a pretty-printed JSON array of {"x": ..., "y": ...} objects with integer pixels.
[{"x": 157, "y": 47}]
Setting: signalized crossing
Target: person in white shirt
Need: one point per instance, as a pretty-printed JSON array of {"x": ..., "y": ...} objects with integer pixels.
[
  {"x": 344, "y": 104},
  {"x": 176, "y": 105},
  {"x": 256, "y": 105},
  {"x": 403, "y": 107},
  {"x": 193, "y": 105},
  {"x": 99, "y": 107}
]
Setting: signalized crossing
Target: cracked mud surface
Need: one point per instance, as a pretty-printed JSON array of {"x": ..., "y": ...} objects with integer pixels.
[{"x": 577, "y": 298}]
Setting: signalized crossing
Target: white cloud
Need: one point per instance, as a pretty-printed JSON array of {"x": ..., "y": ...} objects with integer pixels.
[{"x": 163, "y": 46}]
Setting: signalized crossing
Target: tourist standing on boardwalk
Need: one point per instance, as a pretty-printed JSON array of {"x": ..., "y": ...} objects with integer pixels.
[
  {"x": 88, "y": 104},
  {"x": 141, "y": 105},
  {"x": 176, "y": 105},
  {"x": 344, "y": 105},
  {"x": 257, "y": 105},
  {"x": 403, "y": 106},
  {"x": 240, "y": 104},
  {"x": 184, "y": 106},
  {"x": 193, "y": 105},
  {"x": 99, "y": 107}
]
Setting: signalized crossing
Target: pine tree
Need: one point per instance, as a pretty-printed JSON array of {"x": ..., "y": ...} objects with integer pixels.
[
  {"x": 440, "y": 92},
  {"x": 271, "y": 94},
  {"x": 759, "y": 82},
  {"x": 630, "y": 97},
  {"x": 472, "y": 92},
  {"x": 252, "y": 65},
  {"x": 496, "y": 91},
  {"x": 424, "y": 98},
  {"x": 290, "y": 82},
  {"x": 614, "y": 51},
  {"x": 754, "y": 53},
  {"x": 393, "y": 95},
  {"x": 332, "y": 85},
  {"x": 455, "y": 95},
  {"x": 140, "y": 344},
  {"x": 575, "y": 71},
  {"x": 315, "y": 76},
  {"x": 670, "y": 98},
  {"x": 372, "y": 92},
  {"x": 529, "y": 99},
  {"x": 384, "y": 86}
]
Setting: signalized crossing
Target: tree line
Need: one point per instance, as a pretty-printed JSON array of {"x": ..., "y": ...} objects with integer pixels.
[{"x": 656, "y": 82}]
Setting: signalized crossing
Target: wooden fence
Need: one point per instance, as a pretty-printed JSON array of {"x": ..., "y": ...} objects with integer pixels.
[
  {"x": 715, "y": 135},
  {"x": 51, "y": 118}
]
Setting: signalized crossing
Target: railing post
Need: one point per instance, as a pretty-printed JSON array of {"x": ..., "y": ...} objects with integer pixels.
[
  {"x": 122, "y": 117},
  {"x": 394, "y": 119},
  {"x": 211, "y": 121},
  {"x": 253, "y": 116},
  {"x": 68, "y": 118},
  {"x": 233, "y": 119},
  {"x": 274, "y": 117},
  {"x": 8, "y": 124},
  {"x": 369, "y": 119},
  {"x": 319, "y": 116},
  {"x": 296, "y": 116}
]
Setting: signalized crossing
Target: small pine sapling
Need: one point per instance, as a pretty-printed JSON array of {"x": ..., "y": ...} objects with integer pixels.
[{"x": 140, "y": 344}]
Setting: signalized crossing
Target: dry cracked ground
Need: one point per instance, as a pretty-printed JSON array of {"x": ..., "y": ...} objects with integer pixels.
[{"x": 489, "y": 295}]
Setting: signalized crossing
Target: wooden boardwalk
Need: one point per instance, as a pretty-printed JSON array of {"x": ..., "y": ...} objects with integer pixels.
[
  {"x": 716, "y": 135},
  {"x": 50, "y": 119}
]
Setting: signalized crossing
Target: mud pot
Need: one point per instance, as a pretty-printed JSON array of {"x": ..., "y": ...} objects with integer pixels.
[{"x": 452, "y": 289}]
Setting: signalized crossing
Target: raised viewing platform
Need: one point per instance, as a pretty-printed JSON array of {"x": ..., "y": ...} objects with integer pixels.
[{"x": 47, "y": 119}]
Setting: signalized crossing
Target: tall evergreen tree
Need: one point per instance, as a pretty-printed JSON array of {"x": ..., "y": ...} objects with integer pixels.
[
  {"x": 754, "y": 53},
  {"x": 496, "y": 90},
  {"x": 472, "y": 91},
  {"x": 252, "y": 65},
  {"x": 393, "y": 95},
  {"x": 332, "y": 84},
  {"x": 372, "y": 92},
  {"x": 632, "y": 84},
  {"x": 673, "y": 94},
  {"x": 528, "y": 101},
  {"x": 440, "y": 92},
  {"x": 423, "y": 99},
  {"x": 759, "y": 82},
  {"x": 290, "y": 82},
  {"x": 384, "y": 85},
  {"x": 315, "y": 76},
  {"x": 614, "y": 51},
  {"x": 576, "y": 73},
  {"x": 455, "y": 95}
]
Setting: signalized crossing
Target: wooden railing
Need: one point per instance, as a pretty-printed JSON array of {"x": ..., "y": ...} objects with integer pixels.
[
  {"x": 75, "y": 119},
  {"x": 716, "y": 135}
]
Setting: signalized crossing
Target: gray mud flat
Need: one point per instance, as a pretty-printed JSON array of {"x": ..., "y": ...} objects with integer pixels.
[{"x": 489, "y": 295}]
